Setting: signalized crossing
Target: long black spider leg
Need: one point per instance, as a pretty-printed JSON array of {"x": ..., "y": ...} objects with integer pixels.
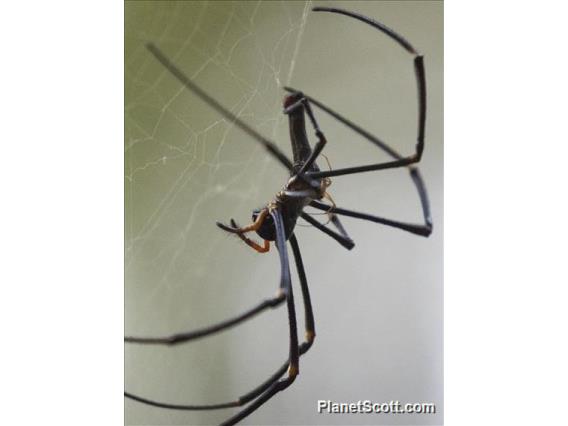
[
  {"x": 186, "y": 337},
  {"x": 189, "y": 336},
  {"x": 342, "y": 238},
  {"x": 206, "y": 331},
  {"x": 303, "y": 348},
  {"x": 424, "y": 230},
  {"x": 208, "y": 99},
  {"x": 308, "y": 312},
  {"x": 337, "y": 223},
  {"x": 421, "y": 87},
  {"x": 294, "y": 358},
  {"x": 309, "y": 327},
  {"x": 400, "y": 161}
]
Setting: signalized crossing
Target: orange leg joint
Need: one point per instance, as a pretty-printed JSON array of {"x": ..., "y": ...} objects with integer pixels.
[
  {"x": 255, "y": 245},
  {"x": 252, "y": 227}
]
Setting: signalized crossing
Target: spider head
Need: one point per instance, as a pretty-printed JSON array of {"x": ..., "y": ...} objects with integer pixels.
[{"x": 291, "y": 99}]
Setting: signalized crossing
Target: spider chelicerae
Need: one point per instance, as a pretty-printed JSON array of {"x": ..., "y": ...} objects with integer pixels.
[{"x": 275, "y": 222}]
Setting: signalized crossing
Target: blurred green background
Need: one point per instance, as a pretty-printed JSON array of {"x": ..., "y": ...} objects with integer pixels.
[{"x": 378, "y": 308}]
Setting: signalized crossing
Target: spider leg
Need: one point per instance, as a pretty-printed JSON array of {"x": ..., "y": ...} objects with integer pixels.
[
  {"x": 424, "y": 230},
  {"x": 252, "y": 227},
  {"x": 176, "y": 339},
  {"x": 240, "y": 231},
  {"x": 294, "y": 358},
  {"x": 342, "y": 238},
  {"x": 421, "y": 88},
  {"x": 270, "y": 146},
  {"x": 308, "y": 312},
  {"x": 213, "y": 103},
  {"x": 337, "y": 223},
  {"x": 309, "y": 325},
  {"x": 252, "y": 243},
  {"x": 269, "y": 303},
  {"x": 399, "y": 160},
  {"x": 300, "y": 350}
]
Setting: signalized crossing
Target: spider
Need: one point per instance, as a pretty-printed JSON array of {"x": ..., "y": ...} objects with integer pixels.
[{"x": 275, "y": 222}]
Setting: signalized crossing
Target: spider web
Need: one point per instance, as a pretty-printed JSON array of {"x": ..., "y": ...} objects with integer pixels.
[
  {"x": 186, "y": 167},
  {"x": 176, "y": 142}
]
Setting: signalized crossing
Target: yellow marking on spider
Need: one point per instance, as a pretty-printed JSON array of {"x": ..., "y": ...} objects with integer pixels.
[{"x": 293, "y": 371}]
